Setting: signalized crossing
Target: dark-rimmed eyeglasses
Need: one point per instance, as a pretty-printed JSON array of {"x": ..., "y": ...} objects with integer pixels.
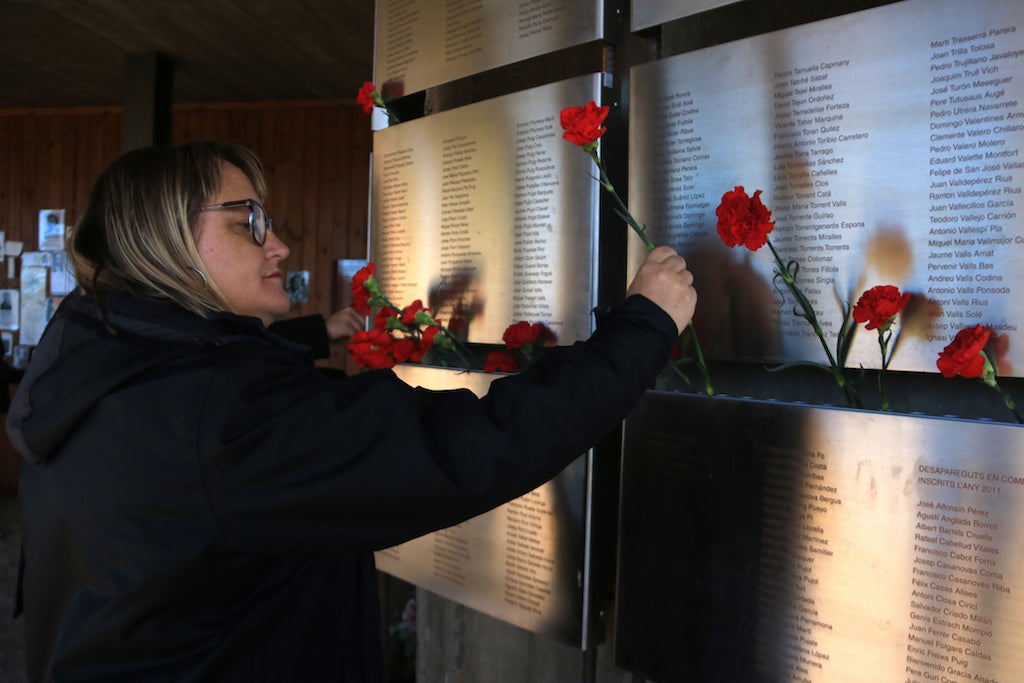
[{"x": 259, "y": 221}]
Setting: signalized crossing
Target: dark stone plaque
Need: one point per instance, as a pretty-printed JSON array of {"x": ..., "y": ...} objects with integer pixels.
[{"x": 776, "y": 542}]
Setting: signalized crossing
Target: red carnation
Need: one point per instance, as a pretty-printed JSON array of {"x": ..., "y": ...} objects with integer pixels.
[
  {"x": 360, "y": 294},
  {"x": 365, "y": 98},
  {"x": 743, "y": 220},
  {"x": 879, "y": 306},
  {"x": 583, "y": 124},
  {"x": 501, "y": 361},
  {"x": 965, "y": 355},
  {"x": 429, "y": 335},
  {"x": 518, "y": 334},
  {"x": 406, "y": 349},
  {"x": 380, "y": 321},
  {"x": 416, "y": 355},
  {"x": 371, "y": 349},
  {"x": 523, "y": 334},
  {"x": 410, "y": 311}
]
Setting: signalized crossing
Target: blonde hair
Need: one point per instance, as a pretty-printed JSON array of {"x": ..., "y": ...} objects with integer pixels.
[{"x": 135, "y": 233}]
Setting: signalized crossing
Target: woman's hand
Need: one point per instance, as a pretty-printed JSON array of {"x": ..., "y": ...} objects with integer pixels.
[
  {"x": 341, "y": 325},
  {"x": 664, "y": 279}
]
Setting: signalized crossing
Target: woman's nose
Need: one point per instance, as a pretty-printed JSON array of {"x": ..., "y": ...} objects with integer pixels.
[{"x": 273, "y": 247}]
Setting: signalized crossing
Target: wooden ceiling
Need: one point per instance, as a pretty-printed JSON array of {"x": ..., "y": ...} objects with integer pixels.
[{"x": 69, "y": 53}]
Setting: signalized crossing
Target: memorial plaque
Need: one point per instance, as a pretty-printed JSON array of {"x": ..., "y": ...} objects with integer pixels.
[
  {"x": 778, "y": 542},
  {"x": 524, "y": 562},
  {"x": 424, "y": 43},
  {"x": 648, "y": 13},
  {"x": 888, "y": 146},
  {"x": 486, "y": 214}
]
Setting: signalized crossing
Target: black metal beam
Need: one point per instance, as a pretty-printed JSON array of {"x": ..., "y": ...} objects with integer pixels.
[{"x": 148, "y": 95}]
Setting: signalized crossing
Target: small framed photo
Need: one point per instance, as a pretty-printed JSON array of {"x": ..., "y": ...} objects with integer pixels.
[
  {"x": 8, "y": 340},
  {"x": 51, "y": 230},
  {"x": 21, "y": 354},
  {"x": 296, "y": 283},
  {"x": 9, "y": 309}
]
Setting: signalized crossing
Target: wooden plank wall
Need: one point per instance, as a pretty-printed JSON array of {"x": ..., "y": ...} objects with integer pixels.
[{"x": 317, "y": 159}]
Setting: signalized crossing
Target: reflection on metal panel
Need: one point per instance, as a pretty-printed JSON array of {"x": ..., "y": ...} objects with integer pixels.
[
  {"x": 523, "y": 562},
  {"x": 648, "y": 13},
  {"x": 888, "y": 143},
  {"x": 423, "y": 43},
  {"x": 777, "y": 542},
  {"x": 486, "y": 214}
]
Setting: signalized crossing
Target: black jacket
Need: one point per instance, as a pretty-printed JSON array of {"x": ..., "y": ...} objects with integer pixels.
[{"x": 200, "y": 504}]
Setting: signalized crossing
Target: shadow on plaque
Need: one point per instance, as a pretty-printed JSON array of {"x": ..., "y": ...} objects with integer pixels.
[{"x": 699, "y": 568}]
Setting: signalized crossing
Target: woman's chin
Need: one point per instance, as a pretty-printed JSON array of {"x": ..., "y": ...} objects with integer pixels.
[{"x": 280, "y": 308}]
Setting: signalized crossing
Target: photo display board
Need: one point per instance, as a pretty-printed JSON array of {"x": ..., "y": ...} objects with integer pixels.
[
  {"x": 424, "y": 43},
  {"x": 765, "y": 542},
  {"x": 888, "y": 144},
  {"x": 488, "y": 216},
  {"x": 524, "y": 562}
]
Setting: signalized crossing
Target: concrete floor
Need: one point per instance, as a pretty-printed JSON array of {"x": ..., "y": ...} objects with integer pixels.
[{"x": 12, "y": 641}]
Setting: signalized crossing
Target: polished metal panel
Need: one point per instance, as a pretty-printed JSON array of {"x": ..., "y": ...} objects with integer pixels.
[
  {"x": 524, "y": 562},
  {"x": 888, "y": 143},
  {"x": 648, "y": 13},
  {"x": 423, "y": 43},
  {"x": 779, "y": 542},
  {"x": 486, "y": 214}
]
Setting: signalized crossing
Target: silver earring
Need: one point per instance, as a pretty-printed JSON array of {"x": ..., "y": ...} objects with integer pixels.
[{"x": 206, "y": 284}]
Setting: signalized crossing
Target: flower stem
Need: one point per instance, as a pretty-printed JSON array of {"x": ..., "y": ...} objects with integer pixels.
[
  {"x": 811, "y": 317},
  {"x": 1007, "y": 401},
  {"x": 700, "y": 360},
  {"x": 883, "y": 343},
  {"x": 623, "y": 212}
]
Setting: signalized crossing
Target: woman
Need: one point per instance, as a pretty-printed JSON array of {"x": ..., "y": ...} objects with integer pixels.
[{"x": 199, "y": 503}]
